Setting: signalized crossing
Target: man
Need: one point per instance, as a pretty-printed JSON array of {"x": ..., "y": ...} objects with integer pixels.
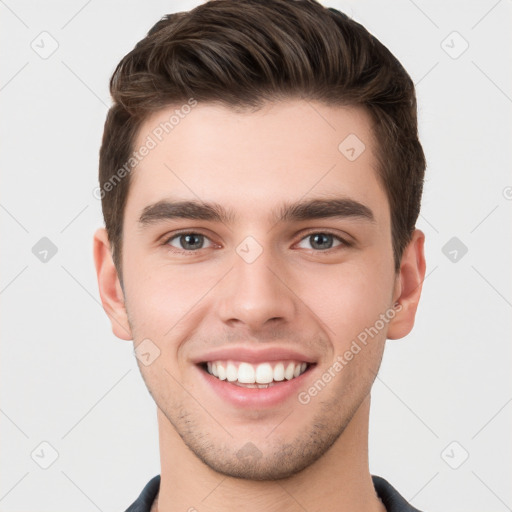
[{"x": 261, "y": 178}]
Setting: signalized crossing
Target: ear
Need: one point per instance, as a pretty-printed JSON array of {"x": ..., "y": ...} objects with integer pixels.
[
  {"x": 111, "y": 293},
  {"x": 408, "y": 284}
]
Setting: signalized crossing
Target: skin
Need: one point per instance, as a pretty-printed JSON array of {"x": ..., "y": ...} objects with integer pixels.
[{"x": 313, "y": 456}]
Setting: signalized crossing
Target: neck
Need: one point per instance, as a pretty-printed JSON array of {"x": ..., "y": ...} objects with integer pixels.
[{"x": 339, "y": 480}]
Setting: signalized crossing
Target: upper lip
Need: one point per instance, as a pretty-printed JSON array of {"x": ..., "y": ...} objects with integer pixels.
[{"x": 253, "y": 355}]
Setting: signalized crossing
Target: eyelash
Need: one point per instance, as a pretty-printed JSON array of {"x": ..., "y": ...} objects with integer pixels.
[{"x": 320, "y": 251}]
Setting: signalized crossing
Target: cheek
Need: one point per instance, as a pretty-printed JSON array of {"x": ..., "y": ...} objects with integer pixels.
[
  {"x": 347, "y": 300},
  {"x": 160, "y": 294}
]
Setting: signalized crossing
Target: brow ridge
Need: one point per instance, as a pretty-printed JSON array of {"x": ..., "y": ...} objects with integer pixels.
[{"x": 288, "y": 212}]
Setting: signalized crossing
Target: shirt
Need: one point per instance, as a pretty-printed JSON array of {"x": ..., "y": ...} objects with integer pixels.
[{"x": 389, "y": 496}]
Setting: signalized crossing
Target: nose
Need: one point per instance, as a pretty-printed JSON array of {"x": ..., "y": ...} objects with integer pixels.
[{"x": 257, "y": 294}]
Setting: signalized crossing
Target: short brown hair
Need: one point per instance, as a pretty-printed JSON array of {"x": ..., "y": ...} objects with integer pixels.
[{"x": 243, "y": 53}]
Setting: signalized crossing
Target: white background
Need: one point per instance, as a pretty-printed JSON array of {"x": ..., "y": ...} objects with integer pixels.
[{"x": 65, "y": 378}]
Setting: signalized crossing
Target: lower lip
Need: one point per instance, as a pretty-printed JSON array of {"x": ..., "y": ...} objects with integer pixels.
[{"x": 255, "y": 397}]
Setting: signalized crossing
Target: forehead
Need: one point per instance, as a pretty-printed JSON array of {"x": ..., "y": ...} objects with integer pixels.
[{"x": 253, "y": 161}]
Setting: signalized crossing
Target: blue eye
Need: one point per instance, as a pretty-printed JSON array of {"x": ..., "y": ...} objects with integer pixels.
[
  {"x": 322, "y": 241},
  {"x": 188, "y": 241}
]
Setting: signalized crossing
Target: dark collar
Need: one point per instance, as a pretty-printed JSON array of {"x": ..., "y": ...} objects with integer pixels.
[{"x": 391, "y": 498}]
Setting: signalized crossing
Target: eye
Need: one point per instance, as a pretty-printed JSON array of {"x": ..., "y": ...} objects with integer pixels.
[
  {"x": 187, "y": 242},
  {"x": 322, "y": 241}
]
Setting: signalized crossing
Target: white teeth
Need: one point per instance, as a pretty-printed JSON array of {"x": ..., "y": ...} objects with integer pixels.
[
  {"x": 279, "y": 372},
  {"x": 261, "y": 375},
  {"x": 246, "y": 374},
  {"x": 222, "y": 372},
  {"x": 288, "y": 373},
  {"x": 264, "y": 373},
  {"x": 231, "y": 372}
]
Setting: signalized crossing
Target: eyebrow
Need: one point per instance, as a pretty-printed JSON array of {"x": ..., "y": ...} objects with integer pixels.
[{"x": 341, "y": 208}]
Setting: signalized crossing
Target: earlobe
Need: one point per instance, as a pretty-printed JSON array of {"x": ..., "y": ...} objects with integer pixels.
[
  {"x": 109, "y": 286},
  {"x": 408, "y": 287}
]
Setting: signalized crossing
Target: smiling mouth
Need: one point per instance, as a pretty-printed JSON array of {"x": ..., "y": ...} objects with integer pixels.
[{"x": 262, "y": 375}]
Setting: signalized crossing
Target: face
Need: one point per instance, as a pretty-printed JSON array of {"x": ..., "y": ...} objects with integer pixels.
[{"x": 269, "y": 308}]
